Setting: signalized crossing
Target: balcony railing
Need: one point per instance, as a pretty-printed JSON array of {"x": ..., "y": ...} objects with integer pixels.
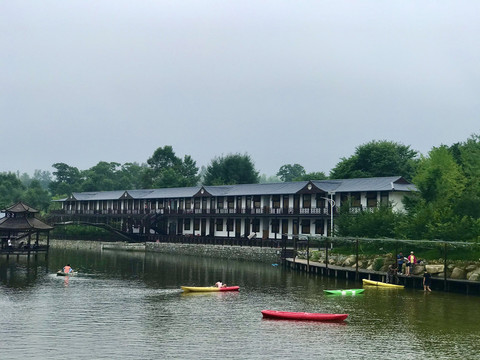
[{"x": 168, "y": 211}]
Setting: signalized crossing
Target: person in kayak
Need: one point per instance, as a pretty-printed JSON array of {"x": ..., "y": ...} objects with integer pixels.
[
  {"x": 67, "y": 269},
  {"x": 219, "y": 284}
]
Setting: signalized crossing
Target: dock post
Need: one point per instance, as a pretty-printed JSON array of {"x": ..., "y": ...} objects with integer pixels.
[
  {"x": 308, "y": 254},
  {"x": 326, "y": 255},
  {"x": 356, "y": 260},
  {"x": 445, "y": 285}
]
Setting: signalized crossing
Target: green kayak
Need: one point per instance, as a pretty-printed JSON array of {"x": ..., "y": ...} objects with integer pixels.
[{"x": 344, "y": 292}]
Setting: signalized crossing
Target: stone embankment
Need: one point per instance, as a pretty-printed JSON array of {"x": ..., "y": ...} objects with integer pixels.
[
  {"x": 247, "y": 253},
  {"x": 459, "y": 270}
]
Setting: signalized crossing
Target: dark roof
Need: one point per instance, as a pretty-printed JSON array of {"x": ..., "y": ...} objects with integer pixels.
[
  {"x": 23, "y": 223},
  {"x": 96, "y": 195},
  {"x": 20, "y": 208},
  {"x": 164, "y": 193},
  {"x": 391, "y": 183},
  {"x": 256, "y": 189}
]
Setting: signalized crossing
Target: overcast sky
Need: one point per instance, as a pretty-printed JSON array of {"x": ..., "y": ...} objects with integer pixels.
[{"x": 284, "y": 81}]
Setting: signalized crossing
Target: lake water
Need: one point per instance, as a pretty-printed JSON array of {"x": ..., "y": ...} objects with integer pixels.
[{"x": 125, "y": 305}]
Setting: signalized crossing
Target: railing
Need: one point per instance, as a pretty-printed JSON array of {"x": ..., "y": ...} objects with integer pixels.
[
  {"x": 242, "y": 211},
  {"x": 226, "y": 241}
]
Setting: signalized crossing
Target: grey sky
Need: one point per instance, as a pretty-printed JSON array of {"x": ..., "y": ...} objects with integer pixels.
[{"x": 284, "y": 81}]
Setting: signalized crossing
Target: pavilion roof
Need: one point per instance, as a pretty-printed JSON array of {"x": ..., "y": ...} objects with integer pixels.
[
  {"x": 20, "y": 207},
  {"x": 22, "y": 224}
]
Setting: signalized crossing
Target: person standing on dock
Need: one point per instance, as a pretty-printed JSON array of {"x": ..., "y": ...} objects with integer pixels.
[
  {"x": 392, "y": 277},
  {"x": 400, "y": 260},
  {"x": 411, "y": 261}
]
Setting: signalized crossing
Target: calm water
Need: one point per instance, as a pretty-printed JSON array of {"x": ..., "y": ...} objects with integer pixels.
[{"x": 130, "y": 306}]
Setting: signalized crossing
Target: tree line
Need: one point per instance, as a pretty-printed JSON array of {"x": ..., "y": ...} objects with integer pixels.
[{"x": 447, "y": 205}]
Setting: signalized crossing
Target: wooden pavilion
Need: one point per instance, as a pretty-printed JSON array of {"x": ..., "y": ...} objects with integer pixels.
[{"x": 19, "y": 227}]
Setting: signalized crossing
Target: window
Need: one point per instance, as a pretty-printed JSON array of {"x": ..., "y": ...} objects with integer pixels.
[
  {"x": 187, "y": 224},
  {"x": 319, "y": 226},
  {"x": 307, "y": 201},
  {"x": 196, "y": 224},
  {"x": 220, "y": 225},
  {"x": 295, "y": 227},
  {"x": 256, "y": 202},
  {"x": 276, "y": 201},
  {"x": 305, "y": 226},
  {"x": 275, "y": 226},
  {"x": 321, "y": 202},
  {"x": 230, "y": 225},
  {"x": 355, "y": 196},
  {"x": 256, "y": 225},
  {"x": 384, "y": 198},
  {"x": 220, "y": 202},
  {"x": 231, "y": 202},
  {"x": 371, "y": 199},
  {"x": 188, "y": 204},
  {"x": 196, "y": 203}
]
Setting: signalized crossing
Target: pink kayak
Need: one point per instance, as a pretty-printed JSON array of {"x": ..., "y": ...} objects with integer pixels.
[
  {"x": 209, "y": 288},
  {"x": 286, "y": 315}
]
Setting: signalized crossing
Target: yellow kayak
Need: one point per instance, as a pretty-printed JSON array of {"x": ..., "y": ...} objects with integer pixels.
[
  {"x": 209, "y": 288},
  {"x": 379, "y": 283}
]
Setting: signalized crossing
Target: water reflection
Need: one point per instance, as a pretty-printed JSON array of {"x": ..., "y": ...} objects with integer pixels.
[{"x": 126, "y": 305}]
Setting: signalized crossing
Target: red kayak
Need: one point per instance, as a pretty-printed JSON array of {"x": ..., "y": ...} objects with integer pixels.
[{"x": 286, "y": 315}]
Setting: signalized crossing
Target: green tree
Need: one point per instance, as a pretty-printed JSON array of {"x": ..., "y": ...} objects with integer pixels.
[
  {"x": 36, "y": 196},
  {"x": 131, "y": 175},
  {"x": 68, "y": 179},
  {"x": 377, "y": 159},
  {"x": 43, "y": 177},
  {"x": 104, "y": 176},
  {"x": 231, "y": 169},
  {"x": 11, "y": 189},
  {"x": 289, "y": 172},
  {"x": 439, "y": 178},
  {"x": 312, "y": 176},
  {"x": 379, "y": 222},
  {"x": 167, "y": 170},
  {"x": 264, "y": 179},
  {"x": 432, "y": 214},
  {"x": 467, "y": 156}
]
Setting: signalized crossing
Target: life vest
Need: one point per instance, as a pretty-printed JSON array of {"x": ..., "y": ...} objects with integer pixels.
[
  {"x": 412, "y": 259},
  {"x": 67, "y": 269}
]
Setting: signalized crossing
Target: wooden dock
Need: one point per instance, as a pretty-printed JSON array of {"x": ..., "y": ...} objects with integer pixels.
[
  {"x": 354, "y": 273},
  {"x": 7, "y": 252}
]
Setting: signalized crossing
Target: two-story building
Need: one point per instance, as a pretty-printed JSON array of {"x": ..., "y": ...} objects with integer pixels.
[{"x": 263, "y": 210}]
